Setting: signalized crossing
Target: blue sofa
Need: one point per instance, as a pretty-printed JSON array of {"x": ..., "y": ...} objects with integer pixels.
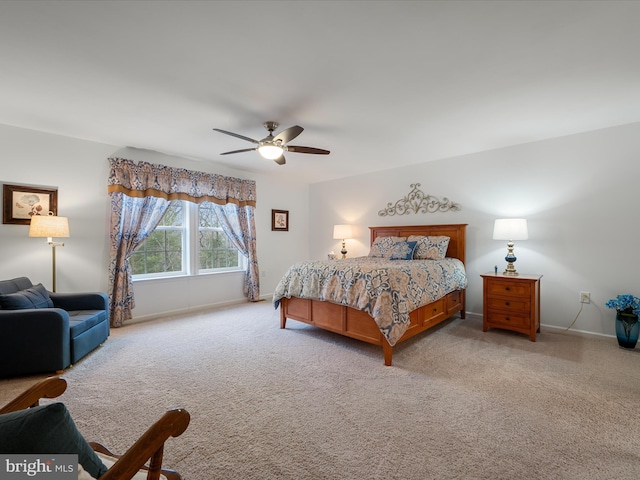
[{"x": 43, "y": 331}]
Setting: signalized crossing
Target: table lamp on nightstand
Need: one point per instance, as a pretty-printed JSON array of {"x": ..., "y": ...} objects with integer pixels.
[
  {"x": 510, "y": 229},
  {"x": 342, "y": 232}
]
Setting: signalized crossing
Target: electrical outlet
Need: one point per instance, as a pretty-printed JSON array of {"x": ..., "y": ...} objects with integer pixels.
[{"x": 585, "y": 297}]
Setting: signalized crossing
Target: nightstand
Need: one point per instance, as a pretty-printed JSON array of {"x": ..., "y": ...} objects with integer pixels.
[{"x": 512, "y": 303}]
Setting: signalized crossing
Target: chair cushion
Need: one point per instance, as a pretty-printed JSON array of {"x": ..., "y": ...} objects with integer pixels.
[
  {"x": 15, "y": 285},
  {"x": 83, "y": 474},
  {"x": 34, "y": 297},
  {"x": 82, "y": 320},
  {"x": 47, "y": 429}
]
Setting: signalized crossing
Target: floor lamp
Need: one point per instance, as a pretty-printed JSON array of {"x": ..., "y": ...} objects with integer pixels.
[{"x": 50, "y": 226}]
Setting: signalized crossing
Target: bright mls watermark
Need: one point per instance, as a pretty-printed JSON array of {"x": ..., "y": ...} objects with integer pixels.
[{"x": 39, "y": 466}]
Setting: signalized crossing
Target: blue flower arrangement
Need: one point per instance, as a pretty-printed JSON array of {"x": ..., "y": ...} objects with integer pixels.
[
  {"x": 625, "y": 304},
  {"x": 628, "y": 308}
]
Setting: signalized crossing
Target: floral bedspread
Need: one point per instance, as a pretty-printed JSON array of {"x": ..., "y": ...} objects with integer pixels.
[{"x": 386, "y": 289}]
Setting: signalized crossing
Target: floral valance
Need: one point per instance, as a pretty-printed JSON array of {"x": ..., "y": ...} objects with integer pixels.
[{"x": 143, "y": 179}]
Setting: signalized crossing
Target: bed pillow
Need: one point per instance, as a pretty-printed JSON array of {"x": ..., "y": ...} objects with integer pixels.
[
  {"x": 47, "y": 429},
  {"x": 430, "y": 247},
  {"x": 403, "y": 251},
  {"x": 34, "y": 297},
  {"x": 382, "y": 247}
]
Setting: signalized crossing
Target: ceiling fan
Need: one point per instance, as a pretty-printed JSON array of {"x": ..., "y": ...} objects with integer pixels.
[{"x": 273, "y": 148}]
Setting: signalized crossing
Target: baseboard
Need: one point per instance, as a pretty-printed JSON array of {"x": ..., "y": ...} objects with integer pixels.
[
  {"x": 556, "y": 329},
  {"x": 199, "y": 308},
  {"x": 579, "y": 333}
]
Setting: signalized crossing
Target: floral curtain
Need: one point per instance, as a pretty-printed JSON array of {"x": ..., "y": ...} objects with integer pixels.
[
  {"x": 239, "y": 225},
  {"x": 140, "y": 194},
  {"x": 132, "y": 221}
]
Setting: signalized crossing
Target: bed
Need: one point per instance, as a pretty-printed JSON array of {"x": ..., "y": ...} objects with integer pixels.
[{"x": 366, "y": 321}]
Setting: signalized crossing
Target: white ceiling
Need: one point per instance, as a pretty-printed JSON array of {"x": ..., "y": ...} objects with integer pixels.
[{"x": 379, "y": 83}]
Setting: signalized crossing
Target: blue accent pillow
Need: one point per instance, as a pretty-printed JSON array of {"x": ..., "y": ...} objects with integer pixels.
[
  {"x": 47, "y": 429},
  {"x": 34, "y": 297},
  {"x": 403, "y": 251}
]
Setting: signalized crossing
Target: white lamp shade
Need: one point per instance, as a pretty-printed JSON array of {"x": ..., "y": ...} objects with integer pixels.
[
  {"x": 510, "y": 229},
  {"x": 49, "y": 226},
  {"x": 340, "y": 232}
]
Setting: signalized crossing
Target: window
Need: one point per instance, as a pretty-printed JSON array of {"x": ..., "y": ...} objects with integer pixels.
[
  {"x": 188, "y": 241},
  {"x": 215, "y": 249},
  {"x": 163, "y": 251}
]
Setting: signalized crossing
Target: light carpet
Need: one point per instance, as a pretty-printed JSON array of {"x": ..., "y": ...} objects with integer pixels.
[{"x": 302, "y": 403}]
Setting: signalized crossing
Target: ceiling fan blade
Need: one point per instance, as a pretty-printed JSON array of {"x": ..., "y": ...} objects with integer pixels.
[
  {"x": 280, "y": 160},
  {"x": 289, "y": 134},
  {"x": 297, "y": 149},
  {"x": 237, "y": 135},
  {"x": 239, "y": 151}
]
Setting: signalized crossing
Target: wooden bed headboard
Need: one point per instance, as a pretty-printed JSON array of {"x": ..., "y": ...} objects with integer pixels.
[{"x": 456, "y": 232}]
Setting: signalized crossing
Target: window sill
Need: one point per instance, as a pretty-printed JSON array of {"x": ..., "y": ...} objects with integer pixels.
[{"x": 187, "y": 276}]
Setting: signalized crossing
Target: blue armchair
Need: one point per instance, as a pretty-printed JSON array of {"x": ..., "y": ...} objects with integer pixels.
[{"x": 42, "y": 331}]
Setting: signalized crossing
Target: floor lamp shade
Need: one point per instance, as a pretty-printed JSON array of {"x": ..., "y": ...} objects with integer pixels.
[{"x": 50, "y": 226}]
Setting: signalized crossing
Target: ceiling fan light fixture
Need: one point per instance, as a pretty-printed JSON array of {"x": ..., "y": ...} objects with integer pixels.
[
  {"x": 273, "y": 148},
  {"x": 270, "y": 151}
]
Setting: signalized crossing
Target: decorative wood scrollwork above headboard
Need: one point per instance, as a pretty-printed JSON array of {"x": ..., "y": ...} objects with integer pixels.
[{"x": 419, "y": 202}]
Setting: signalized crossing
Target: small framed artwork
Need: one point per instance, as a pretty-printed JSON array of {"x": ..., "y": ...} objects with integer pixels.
[
  {"x": 280, "y": 220},
  {"x": 21, "y": 202}
]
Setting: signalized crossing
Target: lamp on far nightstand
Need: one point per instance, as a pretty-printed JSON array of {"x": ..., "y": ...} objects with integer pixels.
[
  {"x": 342, "y": 232},
  {"x": 510, "y": 229}
]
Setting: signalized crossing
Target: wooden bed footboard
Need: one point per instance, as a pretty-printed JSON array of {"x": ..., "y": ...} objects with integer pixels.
[{"x": 360, "y": 325}]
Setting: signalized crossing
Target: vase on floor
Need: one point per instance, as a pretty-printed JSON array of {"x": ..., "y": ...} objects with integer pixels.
[{"x": 627, "y": 329}]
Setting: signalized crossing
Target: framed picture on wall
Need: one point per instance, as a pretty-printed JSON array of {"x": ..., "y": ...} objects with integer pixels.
[
  {"x": 21, "y": 202},
  {"x": 280, "y": 220}
]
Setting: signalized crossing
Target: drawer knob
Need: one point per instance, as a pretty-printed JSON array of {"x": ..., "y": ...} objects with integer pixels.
[
  {"x": 507, "y": 303},
  {"x": 507, "y": 288},
  {"x": 507, "y": 319}
]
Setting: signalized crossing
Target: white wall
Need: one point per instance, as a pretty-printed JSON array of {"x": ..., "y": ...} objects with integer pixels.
[
  {"x": 579, "y": 194},
  {"x": 79, "y": 170}
]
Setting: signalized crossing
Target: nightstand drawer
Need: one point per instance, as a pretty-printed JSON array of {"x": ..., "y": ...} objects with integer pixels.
[
  {"x": 506, "y": 287},
  {"x": 498, "y": 318},
  {"x": 516, "y": 304}
]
